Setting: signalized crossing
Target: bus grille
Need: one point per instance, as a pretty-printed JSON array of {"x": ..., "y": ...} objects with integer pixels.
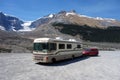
[{"x": 38, "y": 58}]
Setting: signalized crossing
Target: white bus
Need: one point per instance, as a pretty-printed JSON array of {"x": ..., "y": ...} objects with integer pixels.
[{"x": 47, "y": 50}]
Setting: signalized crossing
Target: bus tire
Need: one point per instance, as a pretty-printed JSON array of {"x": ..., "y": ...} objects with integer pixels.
[
  {"x": 73, "y": 56},
  {"x": 53, "y": 60}
]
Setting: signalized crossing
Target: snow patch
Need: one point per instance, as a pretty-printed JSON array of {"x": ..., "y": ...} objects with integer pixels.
[
  {"x": 96, "y": 18},
  {"x": 99, "y": 18},
  {"x": 9, "y": 15},
  {"x": 105, "y": 19},
  {"x": 51, "y": 16},
  {"x": 85, "y": 16},
  {"x": 26, "y": 26},
  {"x": 13, "y": 28},
  {"x": 70, "y": 13},
  {"x": 2, "y": 28},
  {"x": 110, "y": 19}
]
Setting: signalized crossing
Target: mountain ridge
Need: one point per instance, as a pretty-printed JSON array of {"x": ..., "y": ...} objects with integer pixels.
[
  {"x": 17, "y": 35},
  {"x": 63, "y": 16},
  {"x": 10, "y": 23}
]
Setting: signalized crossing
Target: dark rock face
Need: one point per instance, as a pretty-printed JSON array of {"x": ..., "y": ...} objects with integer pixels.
[
  {"x": 39, "y": 22},
  {"x": 10, "y": 23},
  {"x": 88, "y": 33},
  {"x": 75, "y": 25}
]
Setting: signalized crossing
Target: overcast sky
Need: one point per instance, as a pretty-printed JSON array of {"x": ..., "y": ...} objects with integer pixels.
[{"x": 34, "y": 9}]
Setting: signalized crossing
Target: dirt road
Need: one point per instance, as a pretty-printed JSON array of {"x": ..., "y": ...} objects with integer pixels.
[{"x": 20, "y": 66}]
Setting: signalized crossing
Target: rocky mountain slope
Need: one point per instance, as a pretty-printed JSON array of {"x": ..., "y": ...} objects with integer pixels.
[
  {"x": 10, "y": 23},
  {"x": 13, "y": 42},
  {"x": 78, "y": 26},
  {"x": 17, "y": 35}
]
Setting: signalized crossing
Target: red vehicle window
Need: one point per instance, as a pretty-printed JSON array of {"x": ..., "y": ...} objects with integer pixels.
[{"x": 94, "y": 50}]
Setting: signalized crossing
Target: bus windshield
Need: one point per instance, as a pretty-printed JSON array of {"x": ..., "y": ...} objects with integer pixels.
[{"x": 44, "y": 47}]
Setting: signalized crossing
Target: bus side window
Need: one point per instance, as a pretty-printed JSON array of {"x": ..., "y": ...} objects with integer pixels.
[
  {"x": 69, "y": 46},
  {"x": 61, "y": 46},
  {"x": 78, "y": 46},
  {"x": 53, "y": 46}
]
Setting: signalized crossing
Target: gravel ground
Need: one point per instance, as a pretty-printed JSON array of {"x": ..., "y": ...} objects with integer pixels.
[{"x": 20, "y": 66}]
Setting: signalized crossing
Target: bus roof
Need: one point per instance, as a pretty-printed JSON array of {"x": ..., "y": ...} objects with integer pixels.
[{"x": 44, "y": 40}]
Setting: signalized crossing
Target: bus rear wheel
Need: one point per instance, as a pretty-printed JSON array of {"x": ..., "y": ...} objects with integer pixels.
[{"x": 73, "y": 56}]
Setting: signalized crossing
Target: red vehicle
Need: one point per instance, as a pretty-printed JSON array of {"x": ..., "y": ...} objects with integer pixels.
[{"x": 90, "y": 52}]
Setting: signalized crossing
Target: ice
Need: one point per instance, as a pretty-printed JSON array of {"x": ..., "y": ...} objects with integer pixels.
[
  {"x": 2, "y": 28},
  {"x": 26, "y": 26}
]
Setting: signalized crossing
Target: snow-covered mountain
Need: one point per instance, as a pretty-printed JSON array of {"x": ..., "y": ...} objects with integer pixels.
[
  {"x": 41, "y": 21},
  {"x": 11, "y": 23},
  {"x": 66, "y": 24},
  {"x": 71, "y": 17},
  {"x": 75, "y": 18},
  {"x": 26, "y": 26}
]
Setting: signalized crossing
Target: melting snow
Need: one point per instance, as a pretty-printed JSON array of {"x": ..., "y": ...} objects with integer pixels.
[
  {"x": 97, "y": 18},
  {"x": 70, "y": 13},
  {"x": 2, "y": 28},
  {"x": 84, "y": 16},
  {"x": 51, "y": 16},
  {"x": 13, "y": 28},
  {"x": 109, "y": 19},
  {"x": 26, "y": 26}
]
